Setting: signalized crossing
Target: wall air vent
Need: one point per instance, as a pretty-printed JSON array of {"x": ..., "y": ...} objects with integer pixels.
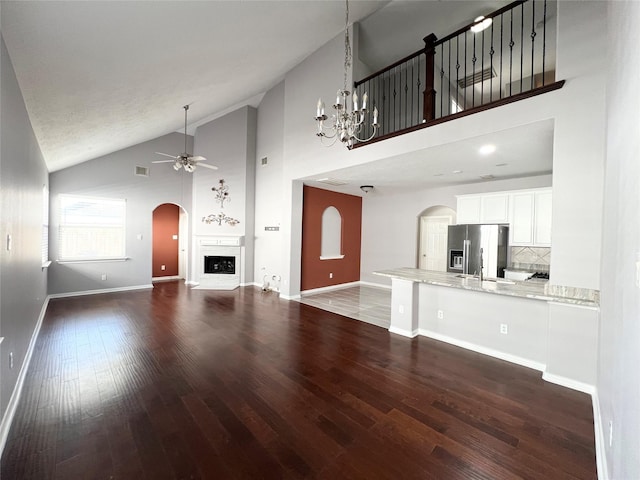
[
  {"x": 477, "y": 77},
  {"x": 332, "y": 181},
  {"x": 142, "y": 171}
]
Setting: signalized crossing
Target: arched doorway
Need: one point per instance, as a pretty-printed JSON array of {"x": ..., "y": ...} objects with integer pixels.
[
  {"x": 169, "y": 244},
  {"x": 432, "y": 247}
]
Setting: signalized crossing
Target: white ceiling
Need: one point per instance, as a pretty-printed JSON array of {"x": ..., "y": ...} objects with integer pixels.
[
  {"x": 519, "y": 152},
  {"x": 99, "y": 76}
]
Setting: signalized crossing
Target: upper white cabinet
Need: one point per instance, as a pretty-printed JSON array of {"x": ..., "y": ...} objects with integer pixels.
[
  {"x": 468, "y": 209},
  {"x": 521, "y": 225},
  {"x": 542, "y": 218},
  {"x": 494, "y": 208},
  {"x": 486, "y": 208},
  {"x": 528, "y": 213}
]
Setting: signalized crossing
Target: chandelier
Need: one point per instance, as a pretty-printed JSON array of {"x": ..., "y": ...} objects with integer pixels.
[{"x": 345, "y": 125}]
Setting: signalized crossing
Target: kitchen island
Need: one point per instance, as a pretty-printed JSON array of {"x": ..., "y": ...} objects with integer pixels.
[{"x": 531, "y": 323}]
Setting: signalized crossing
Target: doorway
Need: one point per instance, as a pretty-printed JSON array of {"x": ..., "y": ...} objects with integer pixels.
[
  {"x": 432, "y": 247},
  {"x": 169, "y": 245}
]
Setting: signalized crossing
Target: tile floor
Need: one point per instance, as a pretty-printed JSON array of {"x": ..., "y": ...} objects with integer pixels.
[{"x": 362, "y": 302}]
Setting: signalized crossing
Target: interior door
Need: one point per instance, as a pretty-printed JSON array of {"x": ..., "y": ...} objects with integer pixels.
[{"x": 433, "y": 243}]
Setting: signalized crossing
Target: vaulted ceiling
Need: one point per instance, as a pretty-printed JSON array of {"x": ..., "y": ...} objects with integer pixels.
[{"x": 99, "y": 76}]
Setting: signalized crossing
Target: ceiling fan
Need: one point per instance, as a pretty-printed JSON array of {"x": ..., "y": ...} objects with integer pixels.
[{"x": 189, "y": 162}]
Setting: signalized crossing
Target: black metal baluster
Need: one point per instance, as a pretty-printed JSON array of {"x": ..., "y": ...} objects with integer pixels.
[
  {"x": 413, "y": 63},
  {"x": 501, "y": 49},
  {"x": 449, "y": 77},
  {"x": 511, "y": 44},
  {"x": 419, "y": 112},
  {"x": 482, "y": 72},
  {"x": 465, "y": 70},
  {"x": 394, "y": 99},
  {"x": 491, "y": 53},
  {"x": 457, "y": 70},
  {"x": 441, "y": 89},
  {"x": 405, "y": 114},
  {"x": 473, "y": 73},
  {"x": 522, "y": 46},
  {"x": 533, "y": 39},
  {"x": 544, "y": 39}
]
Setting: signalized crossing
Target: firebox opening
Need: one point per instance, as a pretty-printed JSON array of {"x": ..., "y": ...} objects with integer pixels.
[{"x": 220, "y": 265}]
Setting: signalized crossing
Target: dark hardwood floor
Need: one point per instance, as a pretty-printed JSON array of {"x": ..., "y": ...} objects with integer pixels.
[{"x": 175, "y": 383}]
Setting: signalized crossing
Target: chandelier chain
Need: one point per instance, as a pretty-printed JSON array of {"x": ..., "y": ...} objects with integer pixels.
[{"x": 347, "y": 44}]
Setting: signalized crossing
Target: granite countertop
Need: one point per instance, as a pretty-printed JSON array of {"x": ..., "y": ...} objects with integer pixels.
[{"x": 536, "y": 290}]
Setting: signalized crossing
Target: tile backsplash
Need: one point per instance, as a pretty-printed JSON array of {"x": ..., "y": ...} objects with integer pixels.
[{"x": 535, "y": 259}]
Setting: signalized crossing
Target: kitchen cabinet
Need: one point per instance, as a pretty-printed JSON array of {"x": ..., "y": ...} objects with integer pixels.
[
  {"x": 494, "y": 208},
  {"x": 530, "y": 218},
  {"x": 528, "y": 213},
  {"x": 468, "y": 209},
  {"x": 542, "y": 218},
  {"x": 488, "y": 208}
]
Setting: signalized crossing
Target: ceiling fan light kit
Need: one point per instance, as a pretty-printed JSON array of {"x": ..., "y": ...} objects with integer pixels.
[{"x": 189, "y": 162}]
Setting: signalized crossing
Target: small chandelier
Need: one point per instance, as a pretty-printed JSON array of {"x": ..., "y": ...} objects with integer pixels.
[{"x": 345, "y": 125}]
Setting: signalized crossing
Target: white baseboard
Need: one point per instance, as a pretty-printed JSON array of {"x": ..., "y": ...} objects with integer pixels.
[
  {"x": 569, "y": 383},
  {"x": 330, "y": 288},
  {"x": 166, "y": 279},
  {"x": 404, "y": 333},
  {"x": 525, "y": 362},
  {"x": 601, "y": 454},
  {"x": 7, "y": 419},
  {"x": 377, "y": 285},
  {"x": 289, "y": 297},
  {"x": 104, "y": 290}
]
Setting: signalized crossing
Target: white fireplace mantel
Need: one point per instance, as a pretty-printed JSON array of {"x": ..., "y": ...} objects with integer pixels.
[{"x": 220, "y": 245}]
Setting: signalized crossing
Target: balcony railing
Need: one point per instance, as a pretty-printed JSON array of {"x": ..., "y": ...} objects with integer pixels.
[{"x": 466, "y": 72}]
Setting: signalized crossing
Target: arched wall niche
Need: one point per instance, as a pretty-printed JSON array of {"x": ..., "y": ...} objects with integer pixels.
[{"x": 331, "y": 234}]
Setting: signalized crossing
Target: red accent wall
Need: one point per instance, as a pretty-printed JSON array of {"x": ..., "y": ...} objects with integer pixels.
[
  {"x": 166, "y": 224},
  {"x": 315, "y": 272}
]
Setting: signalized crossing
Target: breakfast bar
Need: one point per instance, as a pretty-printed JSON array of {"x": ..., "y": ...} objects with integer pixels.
[{"x": 531, "y": 323}]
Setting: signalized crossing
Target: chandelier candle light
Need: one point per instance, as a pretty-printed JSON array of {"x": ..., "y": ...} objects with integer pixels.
[{"x": 345, "y": 125}]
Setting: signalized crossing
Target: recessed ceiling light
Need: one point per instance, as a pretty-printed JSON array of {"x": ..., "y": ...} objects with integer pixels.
[
  {"x": 457, "y": 171},
  {"x": 487, "y": 149},
  {"x": 501, "y": 164},
  {"x": 480, "y": 23},
  {"x": 438, "y": 174}
]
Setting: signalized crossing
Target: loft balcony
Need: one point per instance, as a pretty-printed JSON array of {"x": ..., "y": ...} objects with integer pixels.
[{"x": 507, "y": 56}]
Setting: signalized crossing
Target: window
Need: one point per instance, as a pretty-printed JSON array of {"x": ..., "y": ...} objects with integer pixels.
[
  {"x": 44, "y": 243},
  {"x": 91, "y": 228}
]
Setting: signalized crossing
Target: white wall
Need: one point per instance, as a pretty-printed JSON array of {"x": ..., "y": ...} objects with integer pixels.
[
  {"x": 619, "y": 348},
  {"x": 268, "y": 191},
  {"x": 229, "y": 143},
  {"x": 112, "y": 176},
  {"x": 23, "y": 286},
  {"x": 390, "y": 229}
]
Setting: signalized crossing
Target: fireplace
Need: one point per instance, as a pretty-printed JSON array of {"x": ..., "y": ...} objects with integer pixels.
[
  {"x": 222, "y": 265},
  {"x": 219, "y": 265}
]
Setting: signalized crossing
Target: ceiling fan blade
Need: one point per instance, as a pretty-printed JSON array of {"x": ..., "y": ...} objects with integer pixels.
[
  {"x": 167, "y": 155},
  {"x": 212, "y": 167},
  {"x": 163, "y": 161},
  {"x": 197, "y": 158}
]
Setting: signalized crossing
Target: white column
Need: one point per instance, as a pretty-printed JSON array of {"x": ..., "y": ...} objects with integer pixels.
[{"x": 404, "y": 307}]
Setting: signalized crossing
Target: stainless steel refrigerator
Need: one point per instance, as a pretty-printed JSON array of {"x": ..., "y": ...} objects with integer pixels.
[{"x": 472, "y": 248}]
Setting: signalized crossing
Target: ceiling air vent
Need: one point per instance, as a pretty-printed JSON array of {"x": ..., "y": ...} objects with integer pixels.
[
  {"x": 142, "y": 171},
  {"x": 477, "y": 77},
  {"x": 332, "y": 181}
]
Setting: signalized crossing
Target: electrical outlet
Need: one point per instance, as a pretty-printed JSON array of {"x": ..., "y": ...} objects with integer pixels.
[
  {"x": 440, "y": 315},
  {"x": 504, "y": 329},
  {"x": 610, "y": 433},
  {"x": 331, "y": 275},
  {"x": 104, "y": 276},
  {"x": 10, "y": 359},
  {"x": 163, "y": 267}
]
